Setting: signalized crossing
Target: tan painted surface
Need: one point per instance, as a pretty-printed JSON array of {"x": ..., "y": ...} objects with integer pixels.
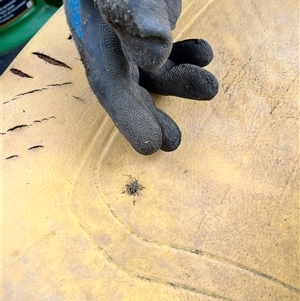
[{"x": 218, "y": 218}]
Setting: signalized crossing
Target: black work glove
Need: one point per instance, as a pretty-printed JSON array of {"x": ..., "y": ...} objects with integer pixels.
[{"x": 126, "y": 48}]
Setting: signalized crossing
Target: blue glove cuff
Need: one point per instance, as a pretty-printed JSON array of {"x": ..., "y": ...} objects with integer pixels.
[{"x": 72, "y": 8}]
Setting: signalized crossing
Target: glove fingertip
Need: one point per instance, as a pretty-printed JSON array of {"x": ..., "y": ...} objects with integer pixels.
[
  {"x": 193, "y": 51},
  {"x": 171, "y": 144}
]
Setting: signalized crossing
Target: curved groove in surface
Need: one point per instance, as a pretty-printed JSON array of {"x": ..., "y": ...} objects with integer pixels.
[
  {"x": 154, "y": 260},
  {"x": 199, "y": 252}
]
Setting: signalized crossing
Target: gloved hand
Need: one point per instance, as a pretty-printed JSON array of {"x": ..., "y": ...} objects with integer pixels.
[{"x": 126, "y": 48}]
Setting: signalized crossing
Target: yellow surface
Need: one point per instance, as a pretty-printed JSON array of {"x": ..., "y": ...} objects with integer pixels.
[{"x": 218, "y": 218}]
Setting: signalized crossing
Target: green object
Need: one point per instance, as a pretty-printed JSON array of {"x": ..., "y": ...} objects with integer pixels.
[{"x": 21, "y": 19}]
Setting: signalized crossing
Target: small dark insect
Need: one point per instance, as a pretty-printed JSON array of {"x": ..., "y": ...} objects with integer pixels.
[{"x": 133, "y": 187}]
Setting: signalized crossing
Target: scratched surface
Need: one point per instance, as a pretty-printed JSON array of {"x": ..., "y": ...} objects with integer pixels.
[{"x": 218, "y": 219}]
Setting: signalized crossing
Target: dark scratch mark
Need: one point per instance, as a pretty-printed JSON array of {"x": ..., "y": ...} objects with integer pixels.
[
  {"x": 35, "y": 146},
  {"x": 51, "y": 60},
  {"x": 29, "y": 92},
  {"x": 76, "y": 97},
  {"x": 172, "y": 284},
  {"x": 13, "y": 156},
  {"x": 20, "y": 73},
  {"x": 44, "y": 119},
  {"x": 54, "y": 85},
  {"x": 198, "y": 252},
  {"x": 70, "y": 37},
  {"x": 274, "y": 107},
  {"x": 36, "y": 90},
  {"x": 17, "y": 127},
  {"x": 27, "y": 125}
]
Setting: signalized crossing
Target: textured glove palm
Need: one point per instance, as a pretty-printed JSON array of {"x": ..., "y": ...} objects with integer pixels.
[{"x": 126, "y": 48}]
